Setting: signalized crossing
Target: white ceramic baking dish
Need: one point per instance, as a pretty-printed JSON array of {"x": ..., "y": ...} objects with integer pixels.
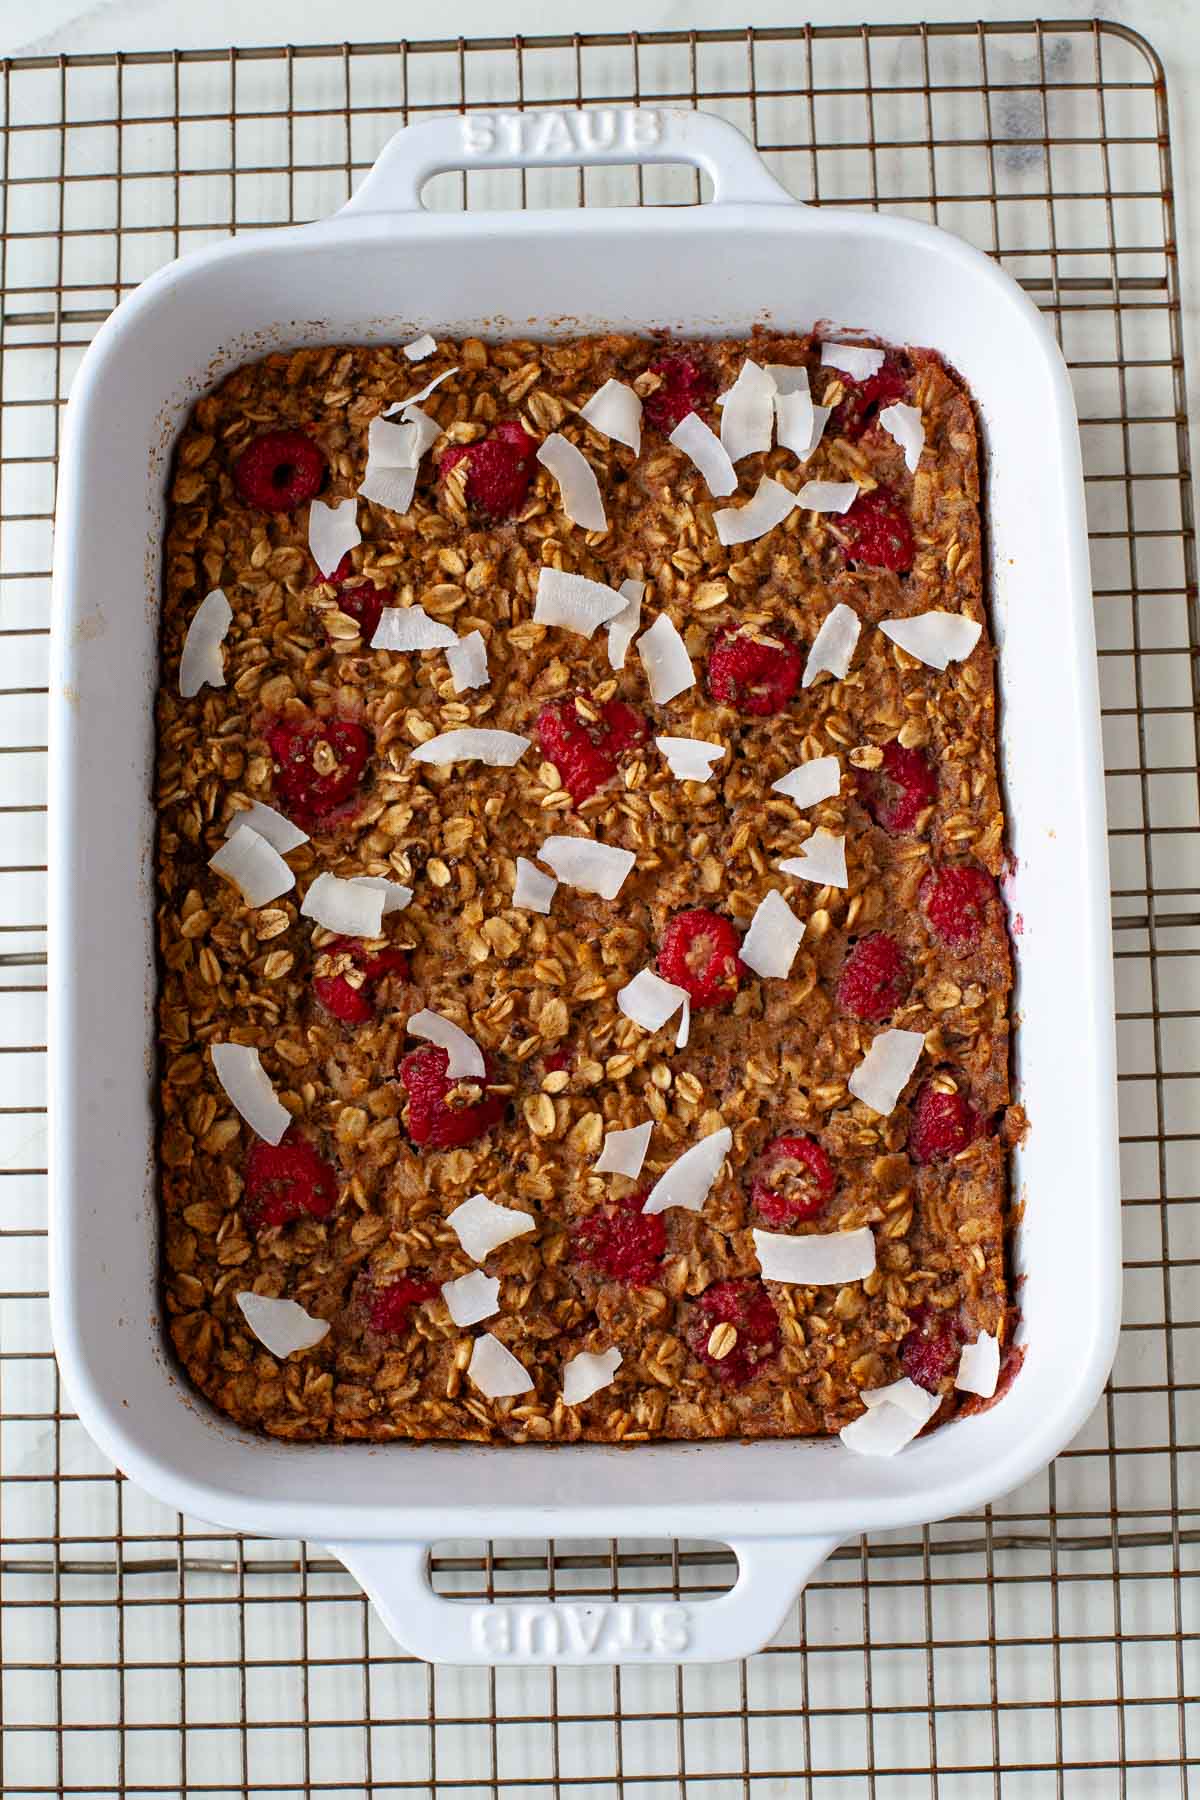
[{"x": 383, "y": 269}]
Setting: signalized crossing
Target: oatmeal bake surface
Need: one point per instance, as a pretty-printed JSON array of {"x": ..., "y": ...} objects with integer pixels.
[{"x": 707, "y": 1350}]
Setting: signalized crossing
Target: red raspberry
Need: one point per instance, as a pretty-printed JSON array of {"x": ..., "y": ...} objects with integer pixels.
[
  {"x": 585, "y": 751},
  {"x": 795, "y": 1182},
  {"x": 748, "y": 1307},
  {"x": 341, "y": 997},
  {"x": 555, "y": 1060},
  {"x": 956, "y": 900},
  {"x": 279, "y": 471},
  {"x": 940, "y": 1125},
  {"x": 860, "y": 405},
  {"x": 897, "y": 793},
  {"x": 500, "y": 469},
  {"x": 308, "y": 791},
  {"x": 687, "y": 386},
  {"x": 753, "y": 676},
  {"x": 878, "y": 532},
  {"x": 389, "y": 1308},
  {"x": 930, "y": 1351},
  {"x": 285, "y": 1181},
  {"x": 874, "y": 980},
  {"x": 432, "y": 1118},
  {"x": 621, "y": 1241},
  {"x": 699, "y": 953},
  {"x": 364, "y": 603}
]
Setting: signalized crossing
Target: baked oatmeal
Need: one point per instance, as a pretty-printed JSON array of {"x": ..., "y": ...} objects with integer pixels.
[{"x": 717, "y": 853}]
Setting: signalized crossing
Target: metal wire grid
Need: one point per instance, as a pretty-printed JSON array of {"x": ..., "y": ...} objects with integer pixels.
[{"x": 1047, "y": 1647}]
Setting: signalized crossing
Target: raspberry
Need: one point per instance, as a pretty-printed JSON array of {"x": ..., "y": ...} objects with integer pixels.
[
  {"x": 433, "y": 1117},
  {"x": 897, "y": 793},
  {"x": 584, "y": 751},
  {"x": 878, "y": 532},
  {"x": 389, "y": 1308},
  {"x": 955, "y": 900},
  {"x": 795, "y": 1182},
  {"x": 364, "y": 603},
  {"x": 754, "y": 676},
  {"x": 318, "y": 765},
  {"x": 621, "y": 1241},
  {"x": 699, "y": 953},
  {"x": 686, "y": 387},
  {"x": 748, "y": 1307},
  {"x": 285, "y": 1181},
  {"x": 279, "y": 470},
  {"x": 500, "y": 469},
  {"x": 859, "y": 406},
  {"x": 556, "y": 1060},
  {"x": 930, "y": 1351},
  {"x": 874, "y": 980},
  {"x": 940, "y": 1125},
  {"x": 353, "y": 1001}
]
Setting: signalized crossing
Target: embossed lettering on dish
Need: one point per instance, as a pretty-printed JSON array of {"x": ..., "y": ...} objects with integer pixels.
[
  {"x": 557, "y": 134},
  {"x": 609, "y": 1633}
]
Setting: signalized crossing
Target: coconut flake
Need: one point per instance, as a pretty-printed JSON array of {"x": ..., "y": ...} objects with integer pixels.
[
  {"x": 833, "y": 645},
  {"x": 770, "y": 945},
  {"x": 420, "y": 348},
  {"x": 282, "y": 1326},
  {"x": 703, "y": 447},
  {"x": 254, "y": 866},
  {"x": 350, "y": 908},
  {"x": 411, "y": 628},
  {"x": 586, "y": 1374},
  {"x": 416, "y": 399},
  {"x": 532, "y": 889},
  {"x": 818, "y": 1259},
  {"x": 795, "y": 422},
  {"x": 624, "y": 626},
  {"x": 496, "y": 1371},
  {"x": 828, "y": 496},
  {"x": 579, "y": 491},
  {"x": 464, "y": 1057},
  {"x": 905, "y": 1394},
  {"x": 467, "y": 660},
  {"x": 685, "y": 1024},
  {"x": 811, "y": 782},
  {"x": 499, "y": 749},
  {"x": 934, "y": 638},
  {"x": 650, "y": 1001},
  {"x": 574, "y": 602},
  {"x": 881, "y": 1431},
  {"x": 884, "y": 1070},
  {"x": 395, "y": 895},
  {"x": 689, "y": 1178},
  {"x": 822, "y": 859},
  {"x": 472, "y": 1297},
  {"x": 615, "y": 411},
  {"x": 624, "y": 1152},
  {"x": 748, "y": 413},
  {"x": 481, "y": 1226},
  {"x": 390, "y": 477},
  {"x": 666, "y": 661},
  {"x": 770, "y": 506},
  {"x": 201, "y": 663},
  {"x": 332, "y": 532},
  {"x": 979, "y": 1366},
  {"x": 690, "y": 759},
  {"x": 855, "y": 360},
  {"x": 246, "y": 1082},
  {"x": 788, "y": 378},
  {"x": 906, "y": 425},
  {"x": 588, "y": 865},
  {"x": 279, "y": 832}
]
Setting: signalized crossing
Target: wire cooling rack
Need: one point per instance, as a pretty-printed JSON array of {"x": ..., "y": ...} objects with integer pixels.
[{"x": 1047, "y": 1647}]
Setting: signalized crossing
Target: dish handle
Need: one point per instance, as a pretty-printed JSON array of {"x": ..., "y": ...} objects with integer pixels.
[
  {"x": 771, "y": 1573},
  {"x": 566, "y": 138}
]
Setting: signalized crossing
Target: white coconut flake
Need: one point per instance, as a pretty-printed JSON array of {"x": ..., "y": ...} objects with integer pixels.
[
  {"x": 979, "y": 1366},
  {"x": 416, "y": 399},
  {"x": 464, "y": 1057},
  {"x": 332, "y": 531},
  {"x": 254, "y": 866},
  {"x": 748, "y": 413},
  {"x": 650, "y": 1001},
  {"x": 907, "y": 1396},
  {"x": 624, "y": 1152},
  {"x": 351, "y": 908},
  {"x": 420, "y": 348},
  {"x": 404, "y": 628},
  {"x": 906, "y": 425},
  {"x": 770, "y": 945},
  {"x": 278, "y": 831},
  {"x": 665, "y": 659},
  {"x": 828, "y": 496},
  {"x": 770, "y": 506},
  {"x": 481, "y": 1226},
  {"x": 246, "y": 1082},
  {"x": 796, "y": 422},
  {"x": 615, "y": 411},
  {"x": 789, "y": 378},
  {"x": 533, "y": 890},
  {"x": 881, "y": 1075},
  {"x": 586, "y": 1374},
  {"x": 855, "y": 360},
  {"x": 834, "y": 644},
  {"x": 624, "y": 626},
  {"x": 882, "y": 1431},
  {"x": 201, "y": 663},
  {"x": 282, "y": 1326},
  {"x": 467, "y": 660},
  {"x": 690, "y": 1177},
  {"x": 574, "y": 602},
  {"x": 579, "y": 491},
  {"x": 811, "y": 782},
  {"x": 934, "y": 638},
  {"x": 703, "y": 447},
  {"x": 685, "y": 1024},
  {"x": 395, "y": 895},
  {"x": 822, "y": 859},
  {"x": 499, "y": 749},
  {"x": 496, "y": 1371},
  {"x": 588, "y": 865},
  {"x": 817, "y": 1259},
  {"x": 690, "y": 759},
  {"x": 472, "y": 1297},
  {"x": 393, "y": 457}
]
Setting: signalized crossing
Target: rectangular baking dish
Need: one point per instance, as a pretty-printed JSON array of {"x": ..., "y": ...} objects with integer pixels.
[{"x": 752, "y": 254}]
